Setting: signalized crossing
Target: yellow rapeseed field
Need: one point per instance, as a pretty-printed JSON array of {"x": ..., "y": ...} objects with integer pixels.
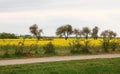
[
  {"x": 55, "y": 41},
  {"x": 27, "y": 42}
]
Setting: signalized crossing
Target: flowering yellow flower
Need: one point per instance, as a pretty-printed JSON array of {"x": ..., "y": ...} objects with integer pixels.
[{"x": 55, "y": 41}]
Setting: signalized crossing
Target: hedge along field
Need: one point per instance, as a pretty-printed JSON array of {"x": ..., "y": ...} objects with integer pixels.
[{"x": 33, "y": 47}]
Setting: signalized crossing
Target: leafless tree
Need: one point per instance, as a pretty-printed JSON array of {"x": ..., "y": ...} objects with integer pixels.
[
  {"x": 108, "y": 34},
  {"x": 95, "y": 32},
  {"x": 76, "y": 32},
  {"x": 86, "y": 32},
  {"x": 65, "y": 31},
  {"x": 36, "y": 31}
]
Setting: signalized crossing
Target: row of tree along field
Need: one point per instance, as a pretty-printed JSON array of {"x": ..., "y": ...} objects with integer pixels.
[
  {"x": 108, "y": 43},
  {"x": 67, "y": 30},
  {"x": 63, "y": 31}
]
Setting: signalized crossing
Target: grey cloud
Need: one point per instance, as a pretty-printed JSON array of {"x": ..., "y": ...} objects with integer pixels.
[
  {"x": 54, "y": 13},
  {"x": 20, "y": 5}
]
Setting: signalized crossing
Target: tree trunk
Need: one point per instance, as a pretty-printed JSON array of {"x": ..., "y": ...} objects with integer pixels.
[{"x": 66, "y": 38}]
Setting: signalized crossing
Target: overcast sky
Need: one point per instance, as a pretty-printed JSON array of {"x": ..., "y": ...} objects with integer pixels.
[{"x": 17, "y": 15}]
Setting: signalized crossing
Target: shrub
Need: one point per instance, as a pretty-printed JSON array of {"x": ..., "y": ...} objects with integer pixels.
[
  {"x": 114, "y": 45},
  {"x": 75, "y": 46},
  {"x": 34, "y": 48},
  {"x": 20, "y": 48},
  {"x": 85, "y": 47},
  {"x": 6, "y": 50},
  {"x": 49, "y": 48},
  {"x": 105, "y": 44}
]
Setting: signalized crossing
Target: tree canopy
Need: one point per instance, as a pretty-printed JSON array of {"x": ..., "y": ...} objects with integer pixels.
[{"x": 65, "y": 31}]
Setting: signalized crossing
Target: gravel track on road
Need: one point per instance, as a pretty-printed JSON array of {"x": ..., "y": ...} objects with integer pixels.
[{"x": 55, "y": 58}]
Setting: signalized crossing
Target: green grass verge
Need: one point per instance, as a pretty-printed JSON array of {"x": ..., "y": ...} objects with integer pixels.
[{"x": 96, "y": 66}]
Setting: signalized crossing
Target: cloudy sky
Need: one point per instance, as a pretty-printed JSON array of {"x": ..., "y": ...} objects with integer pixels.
[{"x": 17, "y": 15}]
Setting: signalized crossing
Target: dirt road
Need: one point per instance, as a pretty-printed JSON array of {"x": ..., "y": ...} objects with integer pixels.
[{"x": 56, "y": 58}]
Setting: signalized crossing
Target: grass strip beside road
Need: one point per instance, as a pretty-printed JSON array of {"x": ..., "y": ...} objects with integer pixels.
[{"x": 94, "y": 66}]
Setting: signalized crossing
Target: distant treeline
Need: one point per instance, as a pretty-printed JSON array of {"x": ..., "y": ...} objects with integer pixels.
[{"x": 13, "y": 36}]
